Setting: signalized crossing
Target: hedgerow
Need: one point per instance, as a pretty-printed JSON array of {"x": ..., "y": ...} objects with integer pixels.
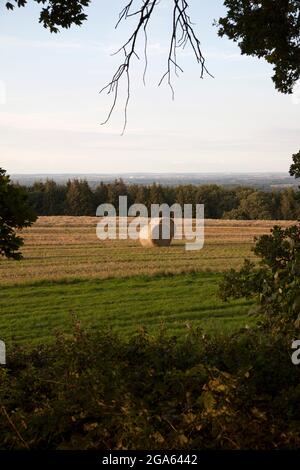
[{"x": 98, "y": 391}]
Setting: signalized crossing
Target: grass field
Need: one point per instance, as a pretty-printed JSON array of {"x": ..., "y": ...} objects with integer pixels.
[
  {"x": 118, "y": 283},
  {"x": 33, "y": 312}
]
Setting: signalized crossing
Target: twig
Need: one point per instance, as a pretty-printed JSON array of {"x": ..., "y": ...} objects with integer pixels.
[
  {"x": 12, "y": 425},
  {"x": 183, "y": 34}
]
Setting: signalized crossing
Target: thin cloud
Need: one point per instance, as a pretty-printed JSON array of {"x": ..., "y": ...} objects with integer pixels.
[
  {"x": 18, "y": 42},
  {"x": 13, "y": 41},
  {"x": 42, "y": 122},
  {"x": 224, "y": 55}
]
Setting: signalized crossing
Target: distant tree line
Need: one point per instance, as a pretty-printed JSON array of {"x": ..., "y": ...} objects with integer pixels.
[{"x": 77, "y": 198}]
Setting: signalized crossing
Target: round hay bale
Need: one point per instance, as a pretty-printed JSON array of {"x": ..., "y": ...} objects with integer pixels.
[{"x": 152, "y": 234}]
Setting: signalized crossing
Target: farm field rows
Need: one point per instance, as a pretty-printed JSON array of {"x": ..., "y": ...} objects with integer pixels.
[
  {"x": 119, "y": 284},
  {"x": 67, "y": 248}
]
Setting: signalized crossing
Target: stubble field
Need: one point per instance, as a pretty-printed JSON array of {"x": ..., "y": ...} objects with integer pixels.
[{"x": 67, "y": 270}]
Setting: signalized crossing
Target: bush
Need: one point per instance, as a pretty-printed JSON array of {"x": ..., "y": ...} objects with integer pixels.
[
  {"x": 96, "y": 391},
  {"x": 275, "y": 281}
]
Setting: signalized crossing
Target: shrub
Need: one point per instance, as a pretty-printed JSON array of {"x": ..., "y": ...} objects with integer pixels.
[
  {"x": 96, "y": 391},
  {"x": 275, "y": 281}
]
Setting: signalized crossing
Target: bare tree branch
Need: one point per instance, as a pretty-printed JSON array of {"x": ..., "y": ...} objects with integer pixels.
[{"x": 182, "y": 35}]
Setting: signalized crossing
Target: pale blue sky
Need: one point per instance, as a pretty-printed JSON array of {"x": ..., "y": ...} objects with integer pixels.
[{"x": 50, "y": 120}]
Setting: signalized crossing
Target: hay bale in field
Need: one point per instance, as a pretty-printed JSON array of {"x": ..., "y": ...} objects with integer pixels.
[{"x": 157, "y": 233}]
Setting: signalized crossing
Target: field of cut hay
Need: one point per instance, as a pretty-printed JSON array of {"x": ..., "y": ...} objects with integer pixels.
[
  {"x": 67, "y": 248},
  {"x": 119, "y": 284}
]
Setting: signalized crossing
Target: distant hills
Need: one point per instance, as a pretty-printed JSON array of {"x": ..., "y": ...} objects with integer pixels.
[{"x": 258, "y": 180}]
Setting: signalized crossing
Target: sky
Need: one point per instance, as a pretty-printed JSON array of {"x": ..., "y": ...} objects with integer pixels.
[{"x": 51, "y": 110}]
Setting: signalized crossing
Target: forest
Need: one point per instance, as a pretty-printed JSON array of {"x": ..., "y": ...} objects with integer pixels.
[{"x": 78, "y": 198}]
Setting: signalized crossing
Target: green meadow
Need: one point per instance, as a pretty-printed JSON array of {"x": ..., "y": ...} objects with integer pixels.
[{"x": 33, "y": 313}]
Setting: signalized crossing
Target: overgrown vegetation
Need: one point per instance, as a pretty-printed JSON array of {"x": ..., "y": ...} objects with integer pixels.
[
  {"x": 100, "y": 392},
  {"x": 275, "y": 282}
]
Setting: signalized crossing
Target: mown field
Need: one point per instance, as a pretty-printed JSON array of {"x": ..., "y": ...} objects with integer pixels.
[
  {"x": 67, "y": 248},
  {"x": 119, "y": 284},
  {"x": 34, "y": 312}
]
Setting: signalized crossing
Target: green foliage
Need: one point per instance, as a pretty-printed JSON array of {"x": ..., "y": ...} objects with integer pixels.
[
  {"x": 48, "y": 198},
  {"x": 275, "y": 282},
  {"x": 268, "y": 29},
  {"x": 100, "y": 392},
  {"x": 56, "y": 13},
  {"x": 14, "y": 215},
  {"x": 288, "y": 204},
  {"x": 114, "y": 190},
  {"x": 295, "y": 167},
  {"x": 216, "y": 199},
  {"x": 78, "y": 198},
  {"x": 255, "y": 205}
]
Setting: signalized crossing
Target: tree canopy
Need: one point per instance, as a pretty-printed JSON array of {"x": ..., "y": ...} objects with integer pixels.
[
  {"x": 295, "y": 167},
  {"x": 78, "y": 198},
  {"x": 14, "y": 214},
  {"x": 57, "y": 14},
  {"x": 269, "y": 29}
]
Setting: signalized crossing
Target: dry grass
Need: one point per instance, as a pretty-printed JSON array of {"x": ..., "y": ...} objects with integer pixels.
[{"x": 67, "y": 247}]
